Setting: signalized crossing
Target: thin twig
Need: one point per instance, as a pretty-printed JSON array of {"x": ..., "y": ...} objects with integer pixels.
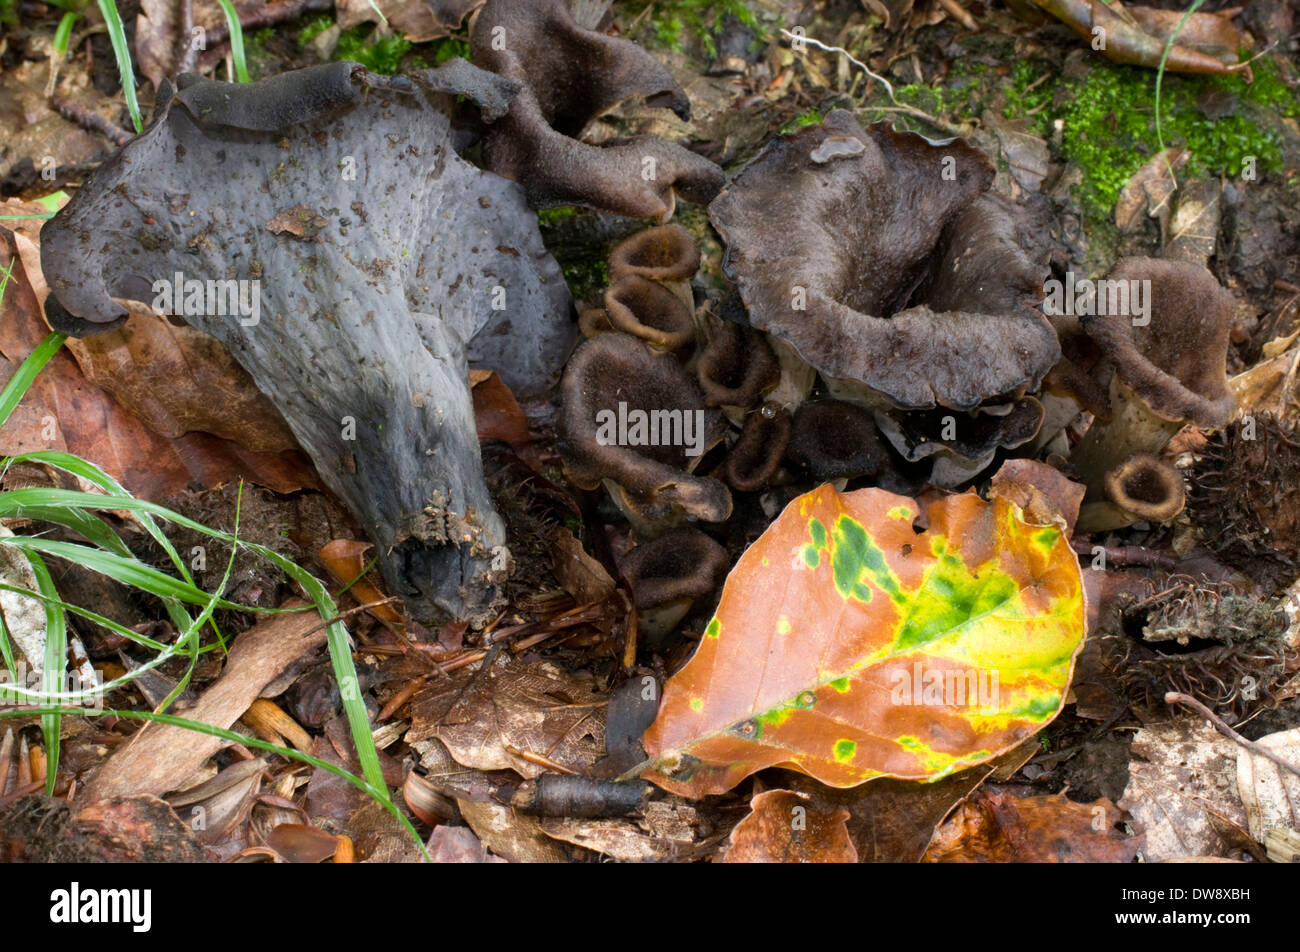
[
  {"x": 1174, "y": 697},
  {"x": 270, "y": 16},
  {"x": 91, "y": 121},
  {"x": 935, "y": 121}
]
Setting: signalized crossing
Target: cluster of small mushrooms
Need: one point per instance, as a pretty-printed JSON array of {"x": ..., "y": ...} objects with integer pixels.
[{"x": 892, "y": 334}]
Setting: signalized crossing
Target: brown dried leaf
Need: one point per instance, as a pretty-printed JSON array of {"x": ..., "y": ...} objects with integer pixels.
[
  {"x": 513, "y": 717},
  {"x": 1149, "y": 188},
  {"x": 1182, "y": 790},
  {"x": 300, "y": 843},
  {"x": 457, "y": 844},
  {"x": 510, "y": 834},
  {"x": 1270, "y": 795},
  {"x": 497, "y": 414},
  {"x": 581, "y": 576},
  {"x": 1045, "y": 494},
  {"x": 995, "y": 827},
  {"x": 1194, "y": 226},
  {"x": 783, "y": 828},
  {"x": 162, "y": 758},
  {"x": 417, "y": 20},
  {"x": 177, "y": 379},
  {"x": 63, "y": 411},
  {"x": 345, "y": 559}
]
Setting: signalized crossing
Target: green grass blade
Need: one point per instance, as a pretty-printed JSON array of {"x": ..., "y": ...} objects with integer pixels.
[
  {"x": 236, "y": 40},
  {"x": 131, "y": 572},
  {"x": 19, "y": 383},
  {"x": 379, "y": 793},
  {"x": 122, "y": 50},
  {"x": 1160, "y": 72},
  {"x": 64, "y": 32},
  {"x": 55, "y": 665},
  {"x": 121, "y": 498}
]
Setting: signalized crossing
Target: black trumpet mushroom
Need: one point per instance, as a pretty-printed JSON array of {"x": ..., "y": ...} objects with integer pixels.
[{"x": 319, "y": 224}]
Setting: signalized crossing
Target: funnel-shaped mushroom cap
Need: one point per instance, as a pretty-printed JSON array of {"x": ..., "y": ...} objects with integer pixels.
[
  {"x": 1175, "y": 355},
  {"x": 650, "y": 311},
  {"x": 570, "y": 76},
  {"x": 633, "y": 415},
  {"x": 662, "y": 253},
  {"x": 758, "y": 453},
  {"x": 681, "y": 563},
  {"x": 736, "y": 367},
  {"x": 370, "y": 257},
  {"x": 1148, "y": 487},
  {"x": 836, "y": 440},
  {"x": 961, "y": 445},
  {"x": 883, "y": 260}
]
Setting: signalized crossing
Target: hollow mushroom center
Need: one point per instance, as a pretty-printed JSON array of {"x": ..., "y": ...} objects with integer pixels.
[
  {"x": 650, "y": 305},
  {"x": 1147, "y": 485}
]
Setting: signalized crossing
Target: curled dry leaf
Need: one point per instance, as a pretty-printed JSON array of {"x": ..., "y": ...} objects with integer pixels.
[
  {"x": 782, "y": 828},
  {"x": 1270, "y": 794},
  {"x": 1182, "y": 790},
  {"x": 848, "y": 645},
  {"x": 1207, "y": 43},
  {"x": 345, "y": 559},
  {"x": 995, "y": 827},
  {"x": 64, "y": 411},
  {"x": 524, "y": 718}
]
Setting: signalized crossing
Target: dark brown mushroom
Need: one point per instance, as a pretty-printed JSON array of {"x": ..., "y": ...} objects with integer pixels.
[
  {"x": 757, "y": 455},
  {"x": 883, "y": 259},
  {"x": 960, "y": 445},
  {"x": 1147, "y": 486},
  {"x": 736, "y": 367},
  {"x": 594, "y": 321},
  {"x": 667, "y": 574},
  {"x": 633, "y": 416},
  {"x": 569, "y": 76},
  {"x": 1142, "y": 488},
  {"x": 650, "y": 311},
  {"x": 1169, "y": 349},
  {"x": 662, "y": 253},
  {"x": 836, "y": 440}
]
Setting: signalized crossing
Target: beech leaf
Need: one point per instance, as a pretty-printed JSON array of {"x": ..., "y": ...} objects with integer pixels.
[{"x": 850, "y": 645}]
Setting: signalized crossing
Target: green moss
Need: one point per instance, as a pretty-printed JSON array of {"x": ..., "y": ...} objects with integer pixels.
[
  {"x": 672, "y": 19},
  {"x": 383, "y": 55},
  {"x": 585, "y": 272},
  {"x": 808, "y": 118},
  {"x": 431, "y": 55},
  {"x": 549, "y": 216},
  {"x": 1029, "y": 94},
  {"x": 314, "y": 26},
  {"x": 1109, "y": 126}
]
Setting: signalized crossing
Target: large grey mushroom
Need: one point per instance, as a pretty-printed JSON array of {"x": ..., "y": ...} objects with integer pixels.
[{"x": 374, "y": 265}]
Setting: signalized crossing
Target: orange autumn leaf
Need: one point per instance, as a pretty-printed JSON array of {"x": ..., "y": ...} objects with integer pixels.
[
  {"x": 345, "y": 559},
  {"x": 850, "y": 645}
]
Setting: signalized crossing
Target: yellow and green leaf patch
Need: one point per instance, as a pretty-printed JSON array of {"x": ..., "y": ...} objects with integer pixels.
[{"x": 879, "y": 650}]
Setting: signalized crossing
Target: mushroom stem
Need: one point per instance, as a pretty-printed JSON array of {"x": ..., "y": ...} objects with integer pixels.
[
  {"x": 1132, "y": 429},
  {"x": 1103, "y": 517},
  {"x": 797, "y": 376}
]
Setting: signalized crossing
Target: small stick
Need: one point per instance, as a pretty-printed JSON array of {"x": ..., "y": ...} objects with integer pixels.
[
  {"x": 91, "y": 121},
  {"x": 188, "y": 54},
  {"x": 400, "y": 698},
  {"x": 270, "y": 15},
  {"x": 1174, "y": 697},
  {"x": 958, "y": 12}
]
